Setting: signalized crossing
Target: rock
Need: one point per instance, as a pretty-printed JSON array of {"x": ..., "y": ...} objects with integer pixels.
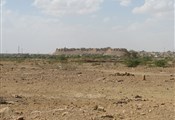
[
  {"x": 17, "y": 96},
  {"x": 143, "y": 113},
  {"x": 162, "y": 104},
  {"x": 122, "y": 101},
  {"x": 3, "y": 101},
  {"x": 166, "y": 80},
  {"x": 120, "y": 80},
  {"x": 139, "y": 106},
  {"x": 107, "y": 116},
  {"x": 20, "y": 118},
  {"x": 150, "y": 111},
  {"x": 79, "y": 72},
  {"x": 10, "y": 102},
  {"x": 155, "y": 106},
  {"x": 99, "y": 108},
  {"x": 120, "y": 116},
  {"x": 23, "y": 68},
  {"x": 95, "y": 107},
  {"x": 64, "y": 113},
  {"x": 123, "y": 74},
  {"x": 5, "y": 112},
  {"x": 138, "y": 96},
  {"x": 18, "y": 113}
]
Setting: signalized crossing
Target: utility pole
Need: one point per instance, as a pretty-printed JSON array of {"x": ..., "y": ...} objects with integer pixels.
[{"x": 18, "y": 49}]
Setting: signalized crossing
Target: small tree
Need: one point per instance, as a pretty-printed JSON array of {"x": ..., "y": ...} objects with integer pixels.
[
  {"x": 132, "y": 62},
  {"x": 62, "y": 58},
  {"x": 160, "y": 63}
]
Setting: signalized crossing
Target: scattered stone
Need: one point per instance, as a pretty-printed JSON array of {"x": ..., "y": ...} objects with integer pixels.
[
  {"x": 120, "y": 80},
  {"x": 156, "y": 106},
  {"x": 166, "y": 80},
  {"x": 79, "y": 73},
  {"x": 64, "y": 113},
  {"x": 122, "y": 101},
  {"x": 10, "y": 102},
  {"x": 99, "y": 79},
  {"x": 139, "y": 106},
  {"x": 19, "y": 113},
  {"x": 17, "y": 96},
  {"x": 3, "y": 101},
  {"x": 95, "y": 107},
  {"x": 121, "y": 116},
  {"x": 99, "y": 108},
  {"x": 138, "y": 96},
  {"x": 150, "y": 111},
  {"x": 5, "y": 112},
  {"x": 122, "y": 74},
  {"x": 162, "y": 104},
  {"x": 107, "y": 116},
  {"x": 23, "y": 68},
  {"x": 20, "y": 118},
  {"x": 143, "y": 113}
]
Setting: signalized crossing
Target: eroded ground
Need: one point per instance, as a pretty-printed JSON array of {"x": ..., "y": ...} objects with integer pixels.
[{"x": 85, "y": 91}]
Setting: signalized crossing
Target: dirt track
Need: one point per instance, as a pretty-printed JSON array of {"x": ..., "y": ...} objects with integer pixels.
[{"x": 72, "y": 91}]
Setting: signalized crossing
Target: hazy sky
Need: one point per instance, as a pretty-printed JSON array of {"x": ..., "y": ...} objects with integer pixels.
[{"x": 41, "y": 26}]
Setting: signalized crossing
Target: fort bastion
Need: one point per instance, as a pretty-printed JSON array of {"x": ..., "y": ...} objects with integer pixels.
[{"x": 92, "y": 51}]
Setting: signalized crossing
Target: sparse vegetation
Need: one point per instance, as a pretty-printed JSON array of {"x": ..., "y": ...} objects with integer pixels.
[
  {"x": 66, "y": 82},
  {"x": 160, "y": 63},
  {"x": 132, "y": 62}
]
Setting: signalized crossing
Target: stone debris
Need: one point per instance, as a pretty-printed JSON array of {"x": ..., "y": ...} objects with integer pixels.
[
  {"x": 99, "y": 108},
  {"x": 20, "y": 118},
  {"x": 122, "y": 101},
  {"x": 17, "y": 96},
  {"x": 122, "y": 74},
  {"x": 139, "y": 106},
  {"x": 79, "y": 73},
  {"x": 139, "y": 98},
  {"x": 5, "y": 112},
  {"x": 120, "y": 80},
  {"x": 3, "y": 101},
  {"x": 107, "y": 116},
  {"x": 64, "y": 113}
]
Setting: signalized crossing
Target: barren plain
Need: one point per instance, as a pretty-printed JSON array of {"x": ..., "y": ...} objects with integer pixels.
[{"x": 38, "y": 90}]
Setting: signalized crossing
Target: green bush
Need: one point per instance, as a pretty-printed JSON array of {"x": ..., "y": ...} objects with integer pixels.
[
  {"x": 160, "y": 63},
  {"x": 145, "y": 60},
  {"x": 132, "y": 62},
  {"x": 63, "y": 58}
]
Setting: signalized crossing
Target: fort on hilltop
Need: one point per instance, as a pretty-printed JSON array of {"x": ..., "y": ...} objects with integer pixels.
[{"x": 92, "y": 51}]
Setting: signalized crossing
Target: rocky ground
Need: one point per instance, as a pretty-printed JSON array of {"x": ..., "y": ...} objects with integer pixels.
[{"x": 85, "y": 91}]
